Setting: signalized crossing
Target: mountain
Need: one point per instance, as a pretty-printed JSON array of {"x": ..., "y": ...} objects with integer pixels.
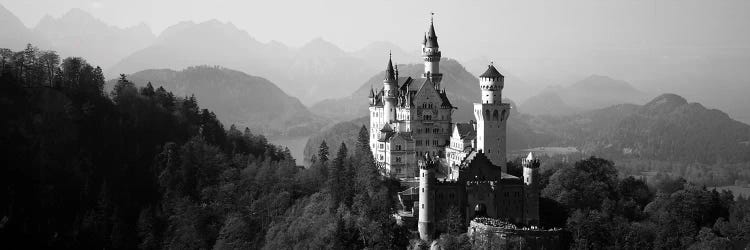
[
  {"x": 313, "y": 72},
  {"x": 78, "y": 33},
  {"x": 15, "y": 35},
  {"x": 593, "y": 92},
  {"x": 666, "y": 128},
  {"x": 462, "y": 88},
  {"x": 236, "y": 98}
]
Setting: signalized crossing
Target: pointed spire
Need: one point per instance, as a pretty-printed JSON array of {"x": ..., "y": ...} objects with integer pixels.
[
  {"x": 530, "y": 156},
  {"x": 372, "y": 93},
  {"x": 389, "y": 72},
  {"x": 431, "y": 38}
]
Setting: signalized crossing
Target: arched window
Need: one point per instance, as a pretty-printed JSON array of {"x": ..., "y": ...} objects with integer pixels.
[
  {"x": 494, "y": 115},
  {"x": 487, "y": 114},
  {"x": 503, "y": 115}
]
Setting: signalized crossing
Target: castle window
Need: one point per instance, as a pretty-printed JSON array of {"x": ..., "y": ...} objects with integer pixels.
[
  {"x": 494, "y": 115},
  {"x": 398, "y": 159}
]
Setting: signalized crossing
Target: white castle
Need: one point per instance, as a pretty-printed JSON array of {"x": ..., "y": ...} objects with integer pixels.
[
  {"x": 458, "y": 165},
  {"x": 411, "y": 117}
]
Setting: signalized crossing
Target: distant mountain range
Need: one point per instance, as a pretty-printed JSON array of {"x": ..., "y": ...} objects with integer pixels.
[
  {"x": 593, "y": 92},
  {"x": 78, "y": 33},
  {"x": 313, "y": 72},
  {"x": 14, "y": 34},
  {"x": 236, "y": 98},
  {"x": 75, "y": 33},
  {"x": 667, "y": 128}
]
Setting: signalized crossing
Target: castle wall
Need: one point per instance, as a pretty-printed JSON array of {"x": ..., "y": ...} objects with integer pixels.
[{"x": 499, "y": 237}]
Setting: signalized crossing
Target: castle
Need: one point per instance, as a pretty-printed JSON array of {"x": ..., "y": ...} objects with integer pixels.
[{"x": 458, "y": 165}]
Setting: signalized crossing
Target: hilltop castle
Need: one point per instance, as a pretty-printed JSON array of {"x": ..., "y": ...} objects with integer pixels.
[{"x": 460, "y": 165}]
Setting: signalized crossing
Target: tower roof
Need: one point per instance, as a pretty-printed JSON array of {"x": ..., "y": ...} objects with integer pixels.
[
  {"x": 530, "y": 157},
  {"x": 390, "y": 74},
  {"x": 431, "y": 38},
  {"x": 372, "y": 93},
  {"x": 491, "y": 72}
]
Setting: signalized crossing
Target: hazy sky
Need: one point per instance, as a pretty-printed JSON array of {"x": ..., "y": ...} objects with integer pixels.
[{"x": 507, "y": 28}]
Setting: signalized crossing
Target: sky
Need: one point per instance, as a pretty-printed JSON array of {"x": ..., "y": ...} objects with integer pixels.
[
  {"x": 522, "y": 27},
  {"x": 649, "y": 43}
]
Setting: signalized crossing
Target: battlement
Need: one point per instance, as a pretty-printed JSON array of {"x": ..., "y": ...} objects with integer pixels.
[
  {"x": 428, "y": 162},
  {"x": 530, "y": 162}
]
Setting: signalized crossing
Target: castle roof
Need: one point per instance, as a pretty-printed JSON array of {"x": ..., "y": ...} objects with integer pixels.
[
  {"x": 431, "y": 38},
  {"x": 466, "y": 131},
  {"x": 477, "y": 167},
  {"x": 379, "y": 99},
  {"x": 446, "y": 103},
  {"x": 426, "y": 84},
  {"x": 491, "y": 72},
  {"x": 385, "y": 136},
  {"x": 390, "y": 74},
  {"x": 386, "y": 128}
]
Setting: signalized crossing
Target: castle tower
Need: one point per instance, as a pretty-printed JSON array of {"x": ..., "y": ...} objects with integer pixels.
[
  {"x": 431, "y": 55},
  {"x": 531, "y": 190},
  {"x": 492, "y": 115},
  {"x": 390, "y": 90},
  {"x": 426, "y": 222}
]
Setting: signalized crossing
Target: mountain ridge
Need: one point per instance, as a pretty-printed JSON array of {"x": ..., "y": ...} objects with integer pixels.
[{"x": 236, "y": 98}]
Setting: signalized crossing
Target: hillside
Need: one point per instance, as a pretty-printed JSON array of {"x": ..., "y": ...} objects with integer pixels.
[
  {"x": 237, "y": 98},
  {"x": 666, "y": 128},
  {"x": 313, "y": 72},
  {"x": 104, "y": 44},
  {"x": 593, "y": 92}
]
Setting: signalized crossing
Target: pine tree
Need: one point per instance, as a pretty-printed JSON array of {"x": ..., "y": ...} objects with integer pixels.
[
  {"x": 323, "y": 152},
  {"x": 148, "y": 90},
  {"x": 337, "y": 178}
]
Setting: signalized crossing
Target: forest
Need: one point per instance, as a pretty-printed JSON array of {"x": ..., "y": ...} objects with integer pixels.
[{"x": 141, "y": 168}]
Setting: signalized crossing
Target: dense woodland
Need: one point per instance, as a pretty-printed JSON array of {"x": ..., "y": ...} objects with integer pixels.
[{"x": 140, "y": 168}]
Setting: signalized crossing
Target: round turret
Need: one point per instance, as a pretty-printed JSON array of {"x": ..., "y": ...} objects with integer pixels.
[
  {"x": 426, "y": 222},
  {"x": 531, "y": 189},
  {"x": 389, "y": 92},
  {"x": 491, "y": 82}
]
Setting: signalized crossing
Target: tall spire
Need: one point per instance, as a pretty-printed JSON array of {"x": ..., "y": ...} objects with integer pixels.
[
  {"x": 431, "y": 37},
  {"x": 390, "y": 74}
]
